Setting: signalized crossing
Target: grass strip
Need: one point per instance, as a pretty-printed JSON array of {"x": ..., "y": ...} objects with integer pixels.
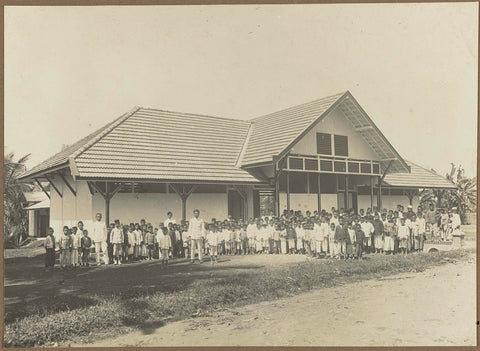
[{"x": 117, "y": 314}]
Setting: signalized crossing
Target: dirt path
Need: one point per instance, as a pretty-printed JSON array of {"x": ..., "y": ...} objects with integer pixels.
[{"x": 432, "y": 308}]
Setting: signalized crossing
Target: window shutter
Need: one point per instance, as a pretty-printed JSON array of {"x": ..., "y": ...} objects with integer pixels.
[
  {"x": 341, "y": 145},
  {"x": 324, "y": 144}
]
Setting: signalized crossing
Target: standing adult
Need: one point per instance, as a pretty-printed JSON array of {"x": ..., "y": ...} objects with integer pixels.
[
  {"x": 169, "y": 220},
  {"x": 196, "y": 231},
  {"x": 99, "y": 236},
  {"x": 456, "y": 221}
]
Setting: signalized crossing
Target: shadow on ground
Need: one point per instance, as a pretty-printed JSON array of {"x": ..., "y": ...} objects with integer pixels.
[{"x": 29, "y": 288}]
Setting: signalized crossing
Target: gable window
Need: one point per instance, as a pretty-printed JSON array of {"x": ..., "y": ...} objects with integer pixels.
[
  {"x": 341, "y": 145},
  {"x": 324, "y": 144}
]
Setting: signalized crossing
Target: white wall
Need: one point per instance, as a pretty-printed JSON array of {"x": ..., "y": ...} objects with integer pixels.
[
  {"x": 335, "y": 123},
  {"x": 210, "y": 206},
  {"x": 69, "y": 209},
  {"x": 129, "y": 207},
  {"x": 306, "y": 202}
]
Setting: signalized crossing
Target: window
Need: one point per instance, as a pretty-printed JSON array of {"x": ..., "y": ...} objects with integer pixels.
[
  {"x": 376, "y": 169},
  {"x": 295, "y": 163},
  {"x": 326, "y": 166},
  {"x": 353, "y": 167},
  {"x": 324, "y": 144},
  {"x": 311, "y": 165},
  {"x": 341, "y": 145},
  {"x": 366, "y": 168},
  {"x": 340, "y": 166}
]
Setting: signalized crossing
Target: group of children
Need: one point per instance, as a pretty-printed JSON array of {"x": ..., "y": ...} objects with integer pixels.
[{"x": 336, "y": 234}]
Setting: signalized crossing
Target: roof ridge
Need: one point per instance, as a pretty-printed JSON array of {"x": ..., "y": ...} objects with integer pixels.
[
  {"x": 298, "y": 105},
  {"x": 103, "y": 133},
  {"x": 195, "y": 114},
  {"x": 244, "y": 145}
]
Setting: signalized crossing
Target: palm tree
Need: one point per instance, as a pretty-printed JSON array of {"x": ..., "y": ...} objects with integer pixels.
[
  {"x": 464, "y": 197},
  {"x": 15, "y": 216}
]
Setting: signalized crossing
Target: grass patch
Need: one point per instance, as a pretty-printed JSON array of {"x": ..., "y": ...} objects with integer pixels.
[{"x": 148, "y": 311}]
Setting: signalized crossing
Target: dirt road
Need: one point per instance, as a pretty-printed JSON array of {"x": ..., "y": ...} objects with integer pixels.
[{"x": 432, "y": 308}]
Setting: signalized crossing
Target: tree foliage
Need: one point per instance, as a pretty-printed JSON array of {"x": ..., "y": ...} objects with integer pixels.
[
  {"x": 15, "y": 216},
  {"x": 464, "y": 197}
]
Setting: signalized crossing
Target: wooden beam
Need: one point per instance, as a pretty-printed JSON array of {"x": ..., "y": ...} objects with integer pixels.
[
  {"x": 53, "y": 186},
  {"x": 96, "y": 187},
  {"x": 386, "y": 170},
  {"x": 92, "y": 191},
  {"x": 116, "y": 190},
  {"x": 67, "y": 183},
  {"x": 360, "y": 129},
  {"x": 41, "y": 187}
]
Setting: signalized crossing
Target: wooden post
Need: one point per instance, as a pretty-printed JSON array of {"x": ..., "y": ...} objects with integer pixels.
[
  {"x": 288, "y": 192},
  {"x": 184, "y": 208},
  {"x": 107, "y": 205},
  {"x": 319, "y": 193},
  {"x": 379, "y": 195},
  {"x": 346, "y": 193},
  {"x": 371, "y": 193},
  {"x": 277, "y": 200},
  {"x": 184, "y": 196}
]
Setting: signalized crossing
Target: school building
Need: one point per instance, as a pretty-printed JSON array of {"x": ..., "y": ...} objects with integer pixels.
[{"x": 322, "y": 154}]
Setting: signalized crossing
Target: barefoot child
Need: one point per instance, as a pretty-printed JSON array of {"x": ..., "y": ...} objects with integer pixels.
[
  {"x": 116, "y": 239},
  {"x": 50, "y": 250},
  {"x": 212, "y": 241},
  {"x": 403, "y": 235},
  {"x": 86, "y": 244},
  {"x": 165, "y": 246},
  {"x": 150, "y": 241}
]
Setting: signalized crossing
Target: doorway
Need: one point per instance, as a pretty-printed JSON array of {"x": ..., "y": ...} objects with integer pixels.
[{"x": 236, "y": 205}]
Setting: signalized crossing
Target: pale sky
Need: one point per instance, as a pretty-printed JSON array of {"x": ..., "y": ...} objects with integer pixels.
[{"x": 412, "y": 67}]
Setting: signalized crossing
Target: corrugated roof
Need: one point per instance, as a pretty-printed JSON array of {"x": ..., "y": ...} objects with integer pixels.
[
  {"x": 157, "y": 144},
  {"x": 272, "y": 133},
  {"x": 418, "y": 178}
]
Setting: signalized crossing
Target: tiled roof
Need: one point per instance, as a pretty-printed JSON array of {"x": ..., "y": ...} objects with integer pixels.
[
  {"x": 157, "y": 144},
  {"x": 272, "y": 133},
  {"x": 35, "y": 196},
  {"x": 152, "y": 144},
  {"x": 39, "y": 205},
  {"x": 418, "y": 178},
  {"x": 61, "y": 158}
]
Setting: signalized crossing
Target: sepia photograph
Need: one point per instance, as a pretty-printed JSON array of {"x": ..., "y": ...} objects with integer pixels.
[{"x": 240, "y": 175}]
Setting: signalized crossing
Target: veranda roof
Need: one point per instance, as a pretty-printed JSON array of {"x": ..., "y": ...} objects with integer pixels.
[{"x": 418, "y": 178}]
